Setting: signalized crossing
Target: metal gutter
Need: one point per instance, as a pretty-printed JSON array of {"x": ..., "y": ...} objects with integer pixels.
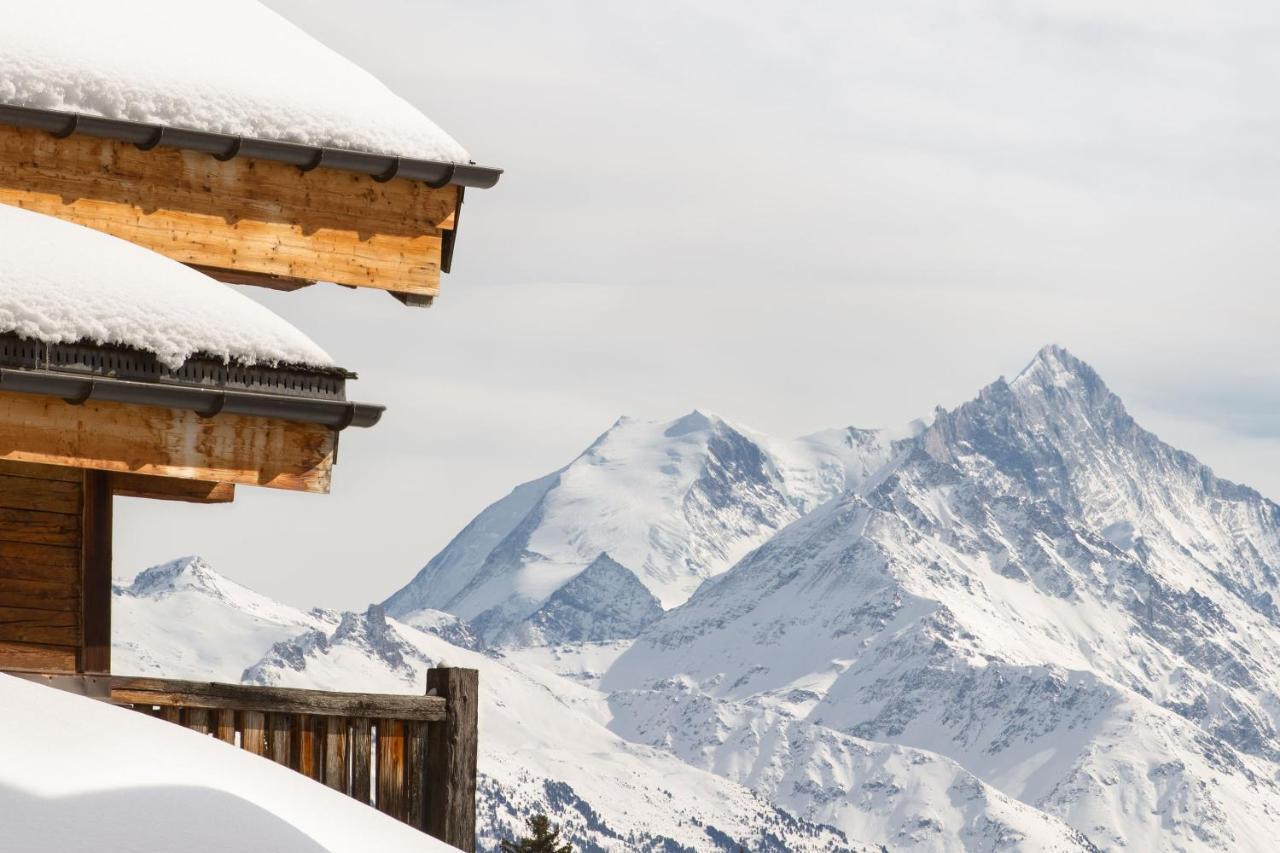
[
  {"x": 206, "y": 402},
  {"x": 224, "y": 147}
]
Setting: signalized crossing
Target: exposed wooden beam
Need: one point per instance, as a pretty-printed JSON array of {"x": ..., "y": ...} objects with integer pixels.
[
  {"x": 95, "y": 574},
  {"x": 414, "y": 300},
  {"x": 132, "y": 690},
  {"x": 256, "y": 279},
  {"x": 257, "y": 219},
  {"x": 166, "y": 443},
  {"x": 171, "y": 489}
]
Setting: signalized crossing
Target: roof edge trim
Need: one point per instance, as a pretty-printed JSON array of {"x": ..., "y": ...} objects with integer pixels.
[
  {"x": 382, "y": 167},
  {"x": 205, "y": 402}
]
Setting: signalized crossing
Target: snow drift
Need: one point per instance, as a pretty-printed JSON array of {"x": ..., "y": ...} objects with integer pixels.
[
  {"x": 242, "y": 70},
  {"x": 83, "y": 775},
  {"x": 64, "y": 283}
]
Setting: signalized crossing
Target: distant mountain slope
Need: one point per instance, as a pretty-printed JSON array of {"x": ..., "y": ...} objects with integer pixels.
[
  {"x": 544, "y": 743},
  {"x": 604, "y": 602},
  {"x": 182, "y": 619},
  {"x": 1035, "y": 587},
  {"x": 676, "y": 503}
]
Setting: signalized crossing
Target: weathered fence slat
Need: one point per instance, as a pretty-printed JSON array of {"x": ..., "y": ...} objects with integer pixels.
[
  {"x": 337, "y": 772},
  {"x": 198, "y": 720},
  {"x": 279, "y": 727},
  {"x": 307, "y": 752},
  {"x": 226, "y": 725},
  {"x": 391, "y": 766},
  {"x": 417, "y": 783},
  {"x": 253, "y": 732},
  {"x": 361, "y": 756}
]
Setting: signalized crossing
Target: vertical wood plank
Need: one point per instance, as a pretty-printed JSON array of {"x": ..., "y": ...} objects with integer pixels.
[
  {"x": 226, "y": 725},
  {"x": 335, "y": 753},
  {"x": 451, "y": 758},
  {"x": 306, "y": 745},
  {"x": 197, "y": 719},
  {"x": 254, "y": 727},
  {"x": 416, "y": 775},
  {"x": 95, "y": 573},
  {"x": 278, "y": 738},
  {"x": 361, "y": 755},
  {"x": 391, "y": 766}
]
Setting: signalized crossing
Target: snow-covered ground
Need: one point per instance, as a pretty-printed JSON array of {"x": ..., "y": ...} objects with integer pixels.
[
  {"x": 244, "y": 71},
  {"x": 64, "y": 283},
  {"x": 82, "y": 775}
]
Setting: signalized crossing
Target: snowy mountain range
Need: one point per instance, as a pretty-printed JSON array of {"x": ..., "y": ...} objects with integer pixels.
[
  {"x": 1027, "y": 625},
  {"x": 609, "y": 793},
  {"x": 675, "y": 503}
]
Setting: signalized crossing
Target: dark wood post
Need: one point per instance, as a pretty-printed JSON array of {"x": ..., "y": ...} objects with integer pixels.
[
  {"x": 95, "y": 573},
  {"x": 451, "y": 758}
]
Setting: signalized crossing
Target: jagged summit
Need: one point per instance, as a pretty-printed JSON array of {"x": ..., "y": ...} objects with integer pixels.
[
  {"x": 695, "y": 421},
  {"x": 605, "y": 602},
  {"x": 184, "y": 573},
  {"x": 1055, "y": 363},
  {"x": 361, "y": 640},
  {"x": 1037, "y": 588}
]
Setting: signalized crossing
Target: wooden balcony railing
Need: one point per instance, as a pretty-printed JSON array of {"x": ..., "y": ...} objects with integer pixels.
[{"x": 412, "y": 757}]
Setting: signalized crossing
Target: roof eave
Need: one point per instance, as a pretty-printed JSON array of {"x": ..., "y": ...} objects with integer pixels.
[
  {"x": 206, "y": 402},
  {"x": 381, "y": 167}
]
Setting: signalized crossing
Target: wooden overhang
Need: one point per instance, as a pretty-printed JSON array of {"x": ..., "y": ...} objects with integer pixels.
[
  {"x": 243, "y": 210},
  {"x": 217, "y": 425}
]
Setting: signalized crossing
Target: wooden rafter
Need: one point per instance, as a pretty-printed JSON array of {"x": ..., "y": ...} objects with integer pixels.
[
  {"x": 246, "y": 220},
  {"x": 162, "y": 442},
  {"x": 172, "y": 489}
]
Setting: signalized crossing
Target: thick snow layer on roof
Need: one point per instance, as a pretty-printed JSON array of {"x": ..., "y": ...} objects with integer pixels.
[
  {"x": 79, "y": 774},
  {"x": 231, "y": 67},
  {"x": 62, "y": 283}
]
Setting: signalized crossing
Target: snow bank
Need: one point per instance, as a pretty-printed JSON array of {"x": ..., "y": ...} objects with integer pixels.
[
  {"x": 82, "y": 775},
  {"x": 235, "y": 67},
  {"x": 61, "y": 283}
]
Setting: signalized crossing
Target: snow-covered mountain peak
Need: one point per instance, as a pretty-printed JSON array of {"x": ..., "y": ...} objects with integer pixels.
[
  {"x": 183, "y": 619},
  {"x": 695, "y": 421},
  {"x": 1054, "y": 366},
  {"x": 675, "y": 502},
  {"x": 605, "y": 602},
  {"x": 182, "y": 573},
  {"x": 361, "y": 640},
  {"x": 194, "y": 576},
  {"x": 1037, "y": 588}
]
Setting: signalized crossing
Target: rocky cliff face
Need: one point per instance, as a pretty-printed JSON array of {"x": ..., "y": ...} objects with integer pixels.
[{"x": 604, "y": 603}]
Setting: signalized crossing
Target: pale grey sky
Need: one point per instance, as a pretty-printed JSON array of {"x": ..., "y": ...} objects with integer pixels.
[{"x": 796, "y": 216}]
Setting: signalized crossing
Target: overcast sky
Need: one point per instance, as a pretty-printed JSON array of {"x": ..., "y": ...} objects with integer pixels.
[{"x": 796, "y": 216}]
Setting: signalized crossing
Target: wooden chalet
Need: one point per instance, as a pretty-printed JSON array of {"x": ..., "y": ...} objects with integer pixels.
[{"x": 83, "y": 421}]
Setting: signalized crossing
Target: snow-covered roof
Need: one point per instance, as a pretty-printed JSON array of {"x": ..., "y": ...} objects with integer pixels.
[
  {"x": 79, "y": 774},
  {"x": 235, "y": 67},
  {"x": 63, "y": 283}
]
